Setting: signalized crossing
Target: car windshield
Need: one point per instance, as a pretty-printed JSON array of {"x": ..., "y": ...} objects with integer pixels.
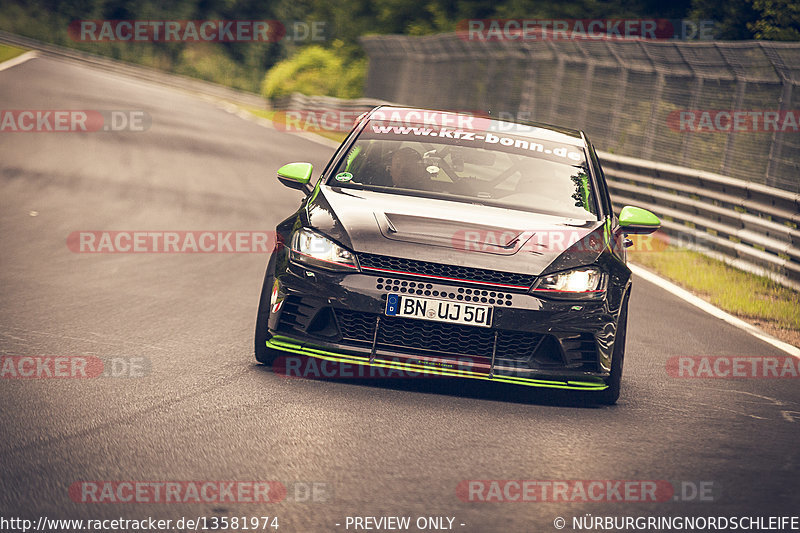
[{"x": 484, "y": 167}]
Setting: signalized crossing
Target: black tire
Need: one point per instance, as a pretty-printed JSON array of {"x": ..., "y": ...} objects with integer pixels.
[
  {"x": 610, "y": 395},
  {"x": 265, "y": 356}
]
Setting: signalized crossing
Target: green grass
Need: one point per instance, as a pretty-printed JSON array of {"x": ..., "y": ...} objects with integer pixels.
[
  {"x": 8, "y": 52},
  {"x": 733, "y": 290},
  {"x": 268, "y": 114}
]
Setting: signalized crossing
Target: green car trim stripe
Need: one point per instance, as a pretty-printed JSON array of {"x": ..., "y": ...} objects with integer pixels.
[{"x": 287, "y": 344}]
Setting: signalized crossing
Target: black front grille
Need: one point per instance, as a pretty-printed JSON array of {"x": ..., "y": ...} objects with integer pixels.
[
  {"x": 451, "y": 339},
  {"x": 425, "y": 268},
  {"x": 355, "y": 326},
  {"x": 435, "y": 337}
]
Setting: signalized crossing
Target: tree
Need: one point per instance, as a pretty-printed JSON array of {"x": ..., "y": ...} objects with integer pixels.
[{"x": 779, "y": 20}]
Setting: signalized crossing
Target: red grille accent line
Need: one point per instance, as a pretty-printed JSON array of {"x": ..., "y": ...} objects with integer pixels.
[
  {"x": 525, "y": 287},
  {"x": 446, "y": 272}
]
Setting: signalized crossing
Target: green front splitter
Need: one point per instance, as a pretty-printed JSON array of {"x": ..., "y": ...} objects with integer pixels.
[{"x": 287, "y": 344}]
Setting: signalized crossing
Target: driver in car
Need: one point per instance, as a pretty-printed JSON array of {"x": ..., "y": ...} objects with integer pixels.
[{"x": 406, "y": 170}]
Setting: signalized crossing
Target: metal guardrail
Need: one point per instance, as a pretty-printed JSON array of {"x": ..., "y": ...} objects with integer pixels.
[
  {"x": 301, "y": 102},
  {"x": 137, "y": 71},
  {"x": 748, "y": 225}
]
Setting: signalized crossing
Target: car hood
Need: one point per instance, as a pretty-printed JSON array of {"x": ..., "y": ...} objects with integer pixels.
[{"x": 453, "y": 232}]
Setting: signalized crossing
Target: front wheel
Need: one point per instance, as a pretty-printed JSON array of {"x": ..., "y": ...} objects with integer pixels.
[
  {"x": 264, "y": 355},
  {"x": 610, "y": 395}
]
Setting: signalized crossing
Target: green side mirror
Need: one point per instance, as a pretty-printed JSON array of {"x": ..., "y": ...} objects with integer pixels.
[
  {"x": 638, "y": 221},
  {"x": 296, "y": 175}
]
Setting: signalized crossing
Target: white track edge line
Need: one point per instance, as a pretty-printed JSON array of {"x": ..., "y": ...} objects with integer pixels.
[
  {"x": 713, "y": 310},
  {"x": 18, "y": 60}
]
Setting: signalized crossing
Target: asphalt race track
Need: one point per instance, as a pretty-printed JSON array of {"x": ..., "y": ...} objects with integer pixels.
[{"x": 203, "y": 409}]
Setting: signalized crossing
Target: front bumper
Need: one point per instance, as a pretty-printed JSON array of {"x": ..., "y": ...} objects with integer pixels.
[
  {"x": 533, "y": 341},
  {"x": 409, "y": 368}
]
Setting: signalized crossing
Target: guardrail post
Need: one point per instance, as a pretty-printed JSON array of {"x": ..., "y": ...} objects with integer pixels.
[
  {"x": 776, "y": 143},
  {"x": 619, "y": 101},
  {"x": 741, "y": 86},
  {"x": 587, "y": 85},
  {"x": 650, "y": 130},
  {"x": 559, "y": 77},
  {"x": 687, "y": 135},
  {"x": 527, "y": 101}
]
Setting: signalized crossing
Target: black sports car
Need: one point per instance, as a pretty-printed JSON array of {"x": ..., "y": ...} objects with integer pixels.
[{"x": 455, "y": 245}]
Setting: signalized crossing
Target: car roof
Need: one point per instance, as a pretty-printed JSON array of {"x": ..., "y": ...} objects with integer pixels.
[{"x": 519, "y": 127}]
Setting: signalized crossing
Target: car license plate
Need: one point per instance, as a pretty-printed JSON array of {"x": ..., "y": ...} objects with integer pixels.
[{"x": 439, "y": 310}]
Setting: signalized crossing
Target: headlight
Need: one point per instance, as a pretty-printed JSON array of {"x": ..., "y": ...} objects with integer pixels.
[
  {"x": 580, "y": 281},
  {"x": 313, "y": 249}
]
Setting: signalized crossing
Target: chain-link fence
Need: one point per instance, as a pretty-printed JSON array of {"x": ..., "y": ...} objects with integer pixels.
[{"x": 730, "y": 108}]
